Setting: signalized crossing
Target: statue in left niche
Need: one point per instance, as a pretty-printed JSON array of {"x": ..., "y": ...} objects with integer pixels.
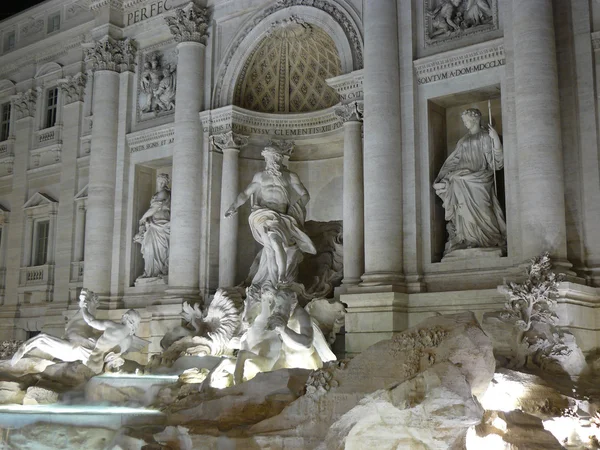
[
  {"x": 155, "y": 232},
  {"x": 157, "y": 85},
  {"x": 79, "y": 339}
]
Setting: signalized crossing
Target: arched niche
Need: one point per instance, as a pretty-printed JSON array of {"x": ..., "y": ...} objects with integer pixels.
[{"x": 334, "y": 20}]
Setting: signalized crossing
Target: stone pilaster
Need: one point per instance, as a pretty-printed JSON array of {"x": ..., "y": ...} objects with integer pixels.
[
  {"x": 71, "y": 90},
  {"x": 229, "y": 144},
  {"x": 189, "y": 28},
  {"x": 78, "y": 250},
  {"x": 107, "y": 58},
  {"x": 541, "y": 178},
  {"x": 18, "y": 251},
  {"x": 383, "y": 154},
  {"x": 353, "y": 195}
]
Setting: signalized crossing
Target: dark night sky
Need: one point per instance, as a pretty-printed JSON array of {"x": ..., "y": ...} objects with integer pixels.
[{"x": 11, "y": 7}]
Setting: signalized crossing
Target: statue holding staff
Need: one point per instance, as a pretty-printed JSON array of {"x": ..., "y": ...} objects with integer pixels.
[{"x": 466, "y": 186}]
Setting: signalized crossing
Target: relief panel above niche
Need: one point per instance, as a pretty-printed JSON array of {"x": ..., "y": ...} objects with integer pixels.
[
  {"x": 157, "y": 84},
  {"x": 447, "y": 20}
]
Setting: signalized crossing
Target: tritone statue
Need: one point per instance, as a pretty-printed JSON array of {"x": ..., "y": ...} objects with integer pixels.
[
  {"x": 79, "y": 339},
  {"x": 278, "y": 200},
  {"x": 117, "y": 338},
  {"x": 466, "y": 186},
  {"x": 87, "y": 339},
  {"x": 155, "y": 232}
]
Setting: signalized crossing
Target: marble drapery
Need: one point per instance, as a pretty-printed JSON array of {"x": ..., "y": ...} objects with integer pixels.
[{"x": 466, "y": 186}]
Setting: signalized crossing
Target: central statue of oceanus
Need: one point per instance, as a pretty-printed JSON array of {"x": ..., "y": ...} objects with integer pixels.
[{"x": 279, "y": 201}]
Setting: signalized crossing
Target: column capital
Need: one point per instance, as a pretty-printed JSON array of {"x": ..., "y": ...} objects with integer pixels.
[
  {"x": 111, "y": 54},
  {"x": 24, "y": 103},
  {"x": 73, "y": 88},
  {"x": 229, "y": 140},
  {"x": 189, "y": 24},
  {"x": 350, "y": 112}
]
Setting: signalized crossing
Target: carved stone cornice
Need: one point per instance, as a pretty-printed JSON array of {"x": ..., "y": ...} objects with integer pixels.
[
  {"x": 349, "y": 86},
  {"x": 189, "y": 24},
  {"x": 95, "y": 5},
  {"x": 229, "y": 140},
  {"x": 24, "y": 103},
  {"x": 73, "y": 88},
  {"x": 466, "y": 60},
  {"x": 351, "y": 112},
  {"x": 111, "y": 54},
  {"x": 239, "y": 120}
]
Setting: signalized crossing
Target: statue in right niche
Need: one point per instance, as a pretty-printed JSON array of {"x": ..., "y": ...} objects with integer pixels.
[{"x": 466, "y": 186}]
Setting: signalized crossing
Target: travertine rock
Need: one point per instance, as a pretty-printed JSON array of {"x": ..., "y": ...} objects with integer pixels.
[
  {"x": 433, "y": 411},
  {"x": 25, "y": 366},
  {"x": 513, "y": 430},
  {"x": 10, "y": 393},
  {"x": 68, "y": 374},
  {"x": 451, "y": 352},
  {"x": 262, "y": 397},
  {"x": 40, "y": 396}
]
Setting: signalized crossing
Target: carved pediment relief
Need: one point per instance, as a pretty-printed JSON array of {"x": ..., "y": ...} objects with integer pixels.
[{"x": 38, "y": 200}]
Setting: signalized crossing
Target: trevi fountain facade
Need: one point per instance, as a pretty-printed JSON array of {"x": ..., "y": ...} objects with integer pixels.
[{"x": 300, "y": 224}]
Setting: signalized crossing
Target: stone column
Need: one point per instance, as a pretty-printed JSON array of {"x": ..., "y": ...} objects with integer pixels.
[
  {"x": 189, "y": 28},
  {"x": 107, "y": 58},
  {"x": 541, "y": 178},
  {"x": 383, "y": 155},
  {"x": 354, "y": 255},
  {"x": 230, "y": 144}
]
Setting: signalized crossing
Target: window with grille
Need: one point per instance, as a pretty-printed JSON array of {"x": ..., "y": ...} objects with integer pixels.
[
  {"x": 54, "y": 23},
  {"x": 10, "y": 40},
  {"x": 41, "y": 244},
  {"x": 4, "y": 121},
  {"x": 51, "y": 107}
]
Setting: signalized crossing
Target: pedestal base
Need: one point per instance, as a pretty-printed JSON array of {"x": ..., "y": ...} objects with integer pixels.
[
  {"x": 149, "y": 281},
  {"x": 473, "y": 253}
]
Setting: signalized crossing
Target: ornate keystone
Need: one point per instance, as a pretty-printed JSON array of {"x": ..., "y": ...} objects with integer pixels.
[
  {"x": 24, "y": 103},
  {"x": 111, "y": 54},
  {"x": 189, "y": 24},
  {"x": 73, "y": 88}
]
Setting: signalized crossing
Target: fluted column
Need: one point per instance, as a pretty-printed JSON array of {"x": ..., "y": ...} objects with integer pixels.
[
  {"x": 230, "y": 144},
  {"x": 107, "y": 58},
  {"x": 353, "y": 199},
  {"x": 541, "y": 178},
  {"x": 383, "y": 155},
  {"x": 188, "y": 27}
]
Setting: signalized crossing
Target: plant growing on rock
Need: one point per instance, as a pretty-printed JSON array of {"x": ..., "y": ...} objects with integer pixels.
[{"x": 530, "y": 306}]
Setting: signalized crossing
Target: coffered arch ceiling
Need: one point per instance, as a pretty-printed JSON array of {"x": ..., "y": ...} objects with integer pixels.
[{"x": 286, "y": 71}]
